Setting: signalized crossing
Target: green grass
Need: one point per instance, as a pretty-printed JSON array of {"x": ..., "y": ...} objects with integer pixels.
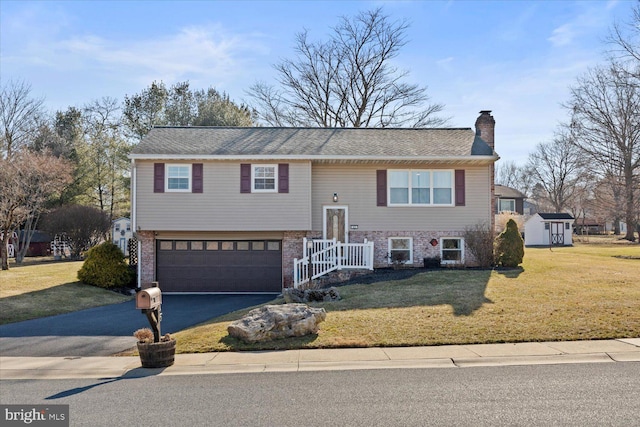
[
  {"x": 39, "y": 289},
  {"x": 589, "y": 291}
]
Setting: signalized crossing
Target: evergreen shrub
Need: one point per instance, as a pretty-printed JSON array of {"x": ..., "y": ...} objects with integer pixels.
[
  {"x": 105, "y": 267},
  {"x": 509, "y": 246}
]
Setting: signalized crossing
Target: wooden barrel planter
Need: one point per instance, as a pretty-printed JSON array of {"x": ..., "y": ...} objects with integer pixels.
[{"x": 157, "y": 354}]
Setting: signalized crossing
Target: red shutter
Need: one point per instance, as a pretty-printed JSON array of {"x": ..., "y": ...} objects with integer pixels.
[
  {"x": 283, "y": 178},
  {"x": 158, "y": 177},
  {"x": 381, "y": 187},
  {"x": 245, "y": 178},
  {"x": 196, "y": 176},
  {"x": 460, "y": 197}
]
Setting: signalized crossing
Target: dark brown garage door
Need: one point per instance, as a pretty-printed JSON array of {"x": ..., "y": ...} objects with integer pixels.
[{"x": 219, "y": 266}]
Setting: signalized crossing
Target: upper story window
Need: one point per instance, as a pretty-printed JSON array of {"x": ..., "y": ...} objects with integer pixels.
[
  {"x": 421, "y": 187},
  {"x": 264, "y": 178},
  {"x": 178, "y": 178},
  {"x": 507, "y": 205}
]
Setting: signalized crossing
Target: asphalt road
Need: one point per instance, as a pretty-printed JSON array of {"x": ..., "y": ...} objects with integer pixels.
[
  {"x": 106, "y": 330},
  {"x": 541, "y": 395}
]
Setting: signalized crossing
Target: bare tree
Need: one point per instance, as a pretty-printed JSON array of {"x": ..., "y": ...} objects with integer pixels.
[
  {"x": 605, "y": 104},
  {"x": 19, "y": 117},
  {"x": 347, "y": 81},
  {"x": 625, "y": 43},
  {"x": 27, "y": 181},
  {"x": 511, "y": 175},
  {"x": 556, "y": 167}
]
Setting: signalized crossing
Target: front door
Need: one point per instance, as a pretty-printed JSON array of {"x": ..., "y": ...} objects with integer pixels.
[{"x": 335, "y": 223}]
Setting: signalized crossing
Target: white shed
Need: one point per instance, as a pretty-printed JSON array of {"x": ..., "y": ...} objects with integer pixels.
[
  {"x": 121, "y": 233},
  {"x": 549, "y": 229}
]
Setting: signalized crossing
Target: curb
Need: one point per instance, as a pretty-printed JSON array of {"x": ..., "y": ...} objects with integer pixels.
[{"x": 451, "y": 356}]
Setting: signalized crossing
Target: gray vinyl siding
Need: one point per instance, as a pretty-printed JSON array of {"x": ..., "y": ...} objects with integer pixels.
[
  {"x": 221, "y": 206},
  {"x": 356, "y": 188}
]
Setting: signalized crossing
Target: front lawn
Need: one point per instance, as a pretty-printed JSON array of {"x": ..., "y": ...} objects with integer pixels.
[
  {"x": 40, "y": 289},
  {"x": 582, "y": 292}
]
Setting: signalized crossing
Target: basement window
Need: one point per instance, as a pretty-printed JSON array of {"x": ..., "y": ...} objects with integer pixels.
[{"x": 452, "y": 250}]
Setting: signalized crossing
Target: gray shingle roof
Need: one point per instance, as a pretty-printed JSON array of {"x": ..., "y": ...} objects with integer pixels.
[
  {"x": 311, "y": 142},
  {"x": 508, "y": 192}
]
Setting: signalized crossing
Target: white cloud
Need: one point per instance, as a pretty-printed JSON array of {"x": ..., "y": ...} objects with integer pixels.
[
  {"x": 563, "y": 35},
  {"x": 445, "y": 63},
  {"x": 86, "y": 60},
  {"x": 193, "y": 51},
  {"x": 594, "y": 18}
]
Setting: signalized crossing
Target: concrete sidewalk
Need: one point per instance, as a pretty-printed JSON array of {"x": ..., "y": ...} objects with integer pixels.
[{"x": 447, "y": 356}]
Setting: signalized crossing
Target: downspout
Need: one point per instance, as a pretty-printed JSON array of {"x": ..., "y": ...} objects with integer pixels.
[{"x": 134, "y": 219}]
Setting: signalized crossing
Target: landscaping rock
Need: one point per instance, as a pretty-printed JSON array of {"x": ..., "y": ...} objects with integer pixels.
[
  {"x": 271, "y": 322},
  {"x": 293, "y": 295},
  {"x": 310, "y": 295}
]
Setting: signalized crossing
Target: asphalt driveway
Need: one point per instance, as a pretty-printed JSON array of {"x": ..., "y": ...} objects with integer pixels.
[{"x": 106, "y": 330}]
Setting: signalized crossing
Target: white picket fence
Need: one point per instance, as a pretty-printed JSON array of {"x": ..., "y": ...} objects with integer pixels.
[{"x": 324, "y": 256}]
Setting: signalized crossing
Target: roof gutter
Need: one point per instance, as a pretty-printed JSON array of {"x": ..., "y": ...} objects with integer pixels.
[{"x": 339, "y": 158}]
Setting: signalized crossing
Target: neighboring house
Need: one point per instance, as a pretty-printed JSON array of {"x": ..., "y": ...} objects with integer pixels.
[
  {"x": 591, "y": 225},
  {"x": 549, "y": 229},
  {"x": 219, "y": 209},
  {"x": 610, "y": 227},
  {"x": 529, "y": 208},
  {"x": 121, "y": 233},
  {"x": 508, "y": 200},
  {"x": 40, "y": 244}
]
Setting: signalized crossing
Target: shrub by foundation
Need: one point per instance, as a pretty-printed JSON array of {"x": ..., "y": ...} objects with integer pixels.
[
  {"x": 105, "y": 267},
  {"x": 509, "y": 246}
]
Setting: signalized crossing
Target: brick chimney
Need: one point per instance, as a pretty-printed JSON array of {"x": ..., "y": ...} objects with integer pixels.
[{"x": 485, "y": 127}]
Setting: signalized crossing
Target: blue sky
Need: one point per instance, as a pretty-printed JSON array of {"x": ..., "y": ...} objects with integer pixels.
[{"x": 517, "y": 58}]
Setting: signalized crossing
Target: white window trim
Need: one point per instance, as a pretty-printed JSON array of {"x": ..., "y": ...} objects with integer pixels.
[
  {"x": 442, "y": 260},
  {"x": 410, "y": 239},
  {"x": 166, "y": 178},
  {"x": 253, "y": 178},
  {"x": 504, "y": 200},
  {"x": 430, "y": 204}
]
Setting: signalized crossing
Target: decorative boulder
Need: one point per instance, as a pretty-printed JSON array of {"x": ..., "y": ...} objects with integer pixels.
[
  {"x": 271, "y": 322},
  {"x": 311, "y": 295}
]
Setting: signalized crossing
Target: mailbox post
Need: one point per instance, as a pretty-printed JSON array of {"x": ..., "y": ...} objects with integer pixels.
[{"x": 149, "y": 301}]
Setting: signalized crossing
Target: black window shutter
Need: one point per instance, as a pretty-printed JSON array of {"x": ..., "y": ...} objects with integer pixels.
[
  {"x": 283, "y": 178},
  {"x": 381, "y": 187},
  {"x": 196, "y": 172},
  {"x": 459, "y": 187},
  {"x": 245, "y": 178},
  {"x": 158, "y": 177}
]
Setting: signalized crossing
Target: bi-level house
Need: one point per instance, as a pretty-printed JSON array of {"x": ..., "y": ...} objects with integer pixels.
[{"x": 219, "y": 209}]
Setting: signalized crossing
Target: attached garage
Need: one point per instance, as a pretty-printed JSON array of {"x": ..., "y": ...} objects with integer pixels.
[{"x": 240, "y": 266}]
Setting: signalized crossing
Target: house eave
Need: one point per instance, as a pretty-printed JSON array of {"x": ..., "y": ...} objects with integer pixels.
[{"x": 469, "y": 160}]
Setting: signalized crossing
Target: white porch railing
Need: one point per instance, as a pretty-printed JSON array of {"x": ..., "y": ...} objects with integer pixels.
[{"x": 325, "y": 256}]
